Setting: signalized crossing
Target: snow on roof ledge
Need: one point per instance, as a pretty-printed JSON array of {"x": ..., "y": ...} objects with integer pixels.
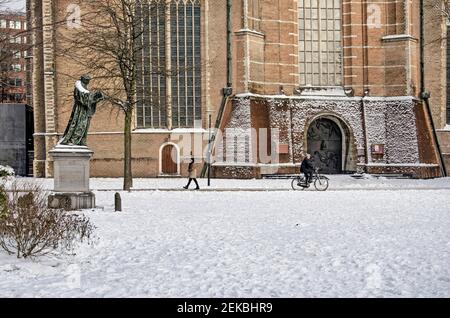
[
  {"x": 334, "y": 91},
  {"x": 446, "y": 128},
  {"x": 327, "y": 97},
  {"x": 197, "y": 130},
  {"x": 424, "y": 165}
]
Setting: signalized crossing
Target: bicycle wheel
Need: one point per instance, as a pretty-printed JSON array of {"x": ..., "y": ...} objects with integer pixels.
[
  {"x": 321, "y": 183},
  {"x": 295, "y": 183}
]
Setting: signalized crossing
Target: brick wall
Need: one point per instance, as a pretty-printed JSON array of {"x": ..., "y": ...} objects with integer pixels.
[{"x": 381, "y": 56}]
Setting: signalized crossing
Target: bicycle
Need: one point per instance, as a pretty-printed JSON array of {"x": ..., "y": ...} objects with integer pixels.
[{"x": 321, "y": 183}]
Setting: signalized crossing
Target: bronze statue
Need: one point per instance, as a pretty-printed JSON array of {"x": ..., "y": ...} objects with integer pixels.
[{"x": 84, "y": 107}]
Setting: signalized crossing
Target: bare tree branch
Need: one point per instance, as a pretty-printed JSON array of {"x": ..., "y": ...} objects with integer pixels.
[
  {"x": 12, "y": 54},
  {"x": 105, "y": 45}
]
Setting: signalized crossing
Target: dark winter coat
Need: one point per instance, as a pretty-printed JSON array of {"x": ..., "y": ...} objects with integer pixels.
[
  {"x": 307, "y": 166},
  {"x": 192, "y": 171}
]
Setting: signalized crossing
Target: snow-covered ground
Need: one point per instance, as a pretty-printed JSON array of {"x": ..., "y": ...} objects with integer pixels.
[
  {"x": 391, "y": 241},
  {"x": 337, "y": 183}
]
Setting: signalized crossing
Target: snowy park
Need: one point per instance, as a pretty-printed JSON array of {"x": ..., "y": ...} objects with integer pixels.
[
  {"x": 369, "y": 237},
  {"x": 112, "y": 113}
]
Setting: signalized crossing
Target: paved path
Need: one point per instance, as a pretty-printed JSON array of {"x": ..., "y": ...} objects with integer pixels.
[{"x": 275, "y": 190}]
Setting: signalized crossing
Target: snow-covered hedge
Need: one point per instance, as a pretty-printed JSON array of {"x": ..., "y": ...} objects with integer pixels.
[{"x": 6, "y": 171}]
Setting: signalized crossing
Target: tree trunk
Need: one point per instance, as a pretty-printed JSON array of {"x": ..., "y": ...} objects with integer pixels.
[{"x": 128, "y": 176}]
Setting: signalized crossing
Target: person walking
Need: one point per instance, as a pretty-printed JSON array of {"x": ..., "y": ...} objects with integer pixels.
[{"x": 192, "y": 175}]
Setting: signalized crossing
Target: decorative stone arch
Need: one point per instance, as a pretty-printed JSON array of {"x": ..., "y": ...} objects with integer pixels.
[
  {"x": 163, "y": 157},
  {"x": 349, "y": 158}
]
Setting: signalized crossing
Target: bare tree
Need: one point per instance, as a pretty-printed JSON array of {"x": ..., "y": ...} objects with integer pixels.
[
  {"x": 105, "y": 42},
  {"x": 442, "y": 6},
  {"x": 11, "y": 49},
  {"x": 10, "y": 54}
]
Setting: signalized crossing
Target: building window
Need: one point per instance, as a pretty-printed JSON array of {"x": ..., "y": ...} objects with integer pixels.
[
  {"x": 16, "y": 67},
  {"x": 186, "y": 63},
  {"x": 184, "y": 56},
  {"x": 320, "y": 42},
  {"x": 151, "y": 81},
  {"x": 254, "y": 15},
  {"x": 3, "y": 23},
  {"x": 15, "y": 40},
  {"x": 18, "y": 97},
  {"x": 15, "y": 82}
]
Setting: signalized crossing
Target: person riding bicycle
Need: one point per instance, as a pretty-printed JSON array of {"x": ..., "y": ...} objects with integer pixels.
[{"x": 307, "y": 168}]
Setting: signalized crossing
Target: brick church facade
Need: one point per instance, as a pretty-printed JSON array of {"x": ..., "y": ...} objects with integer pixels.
[{"x": 338, "y": 79}]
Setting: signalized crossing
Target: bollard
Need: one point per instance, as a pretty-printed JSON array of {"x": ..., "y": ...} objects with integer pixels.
[{"x": 118, "y": 202}]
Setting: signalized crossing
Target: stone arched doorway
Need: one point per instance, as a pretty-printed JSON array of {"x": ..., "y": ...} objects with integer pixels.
[
  {"x": 170, "y": 161},
  {"x": 325, "y": 144}
]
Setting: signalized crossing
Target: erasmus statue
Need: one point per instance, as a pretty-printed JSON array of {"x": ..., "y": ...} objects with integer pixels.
[{"x": 84, "y": 107}]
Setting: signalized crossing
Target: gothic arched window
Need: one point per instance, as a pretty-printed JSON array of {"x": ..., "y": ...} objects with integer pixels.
[
  {"x": 169, "y": 64},
  {"x": 320, "y": 38},
  {"x": 186, "y": 62}
]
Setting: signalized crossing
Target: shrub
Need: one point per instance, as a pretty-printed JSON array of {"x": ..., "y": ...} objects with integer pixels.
[
  {"x": 3, "y": 200},
  {"x": 28, "y": 227},
  {"x": 6, "y": 171},
  {"x": 5, "y": 174}
]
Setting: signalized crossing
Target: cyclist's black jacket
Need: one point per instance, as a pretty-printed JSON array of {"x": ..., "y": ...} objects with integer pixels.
[{"x": 307, "y": 166}]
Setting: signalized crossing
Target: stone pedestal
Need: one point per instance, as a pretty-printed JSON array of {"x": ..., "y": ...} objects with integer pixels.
[{"x": 71, "y": 173}]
